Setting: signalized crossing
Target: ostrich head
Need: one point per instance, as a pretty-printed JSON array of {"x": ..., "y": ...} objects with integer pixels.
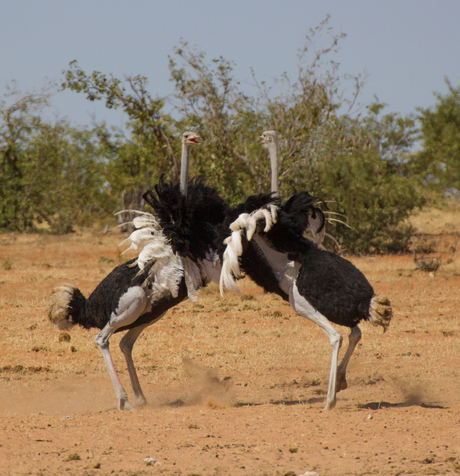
[
  {"x": 62, "y": 302},
  {"x": 190, "y": 138},
  {"x": 269, "y": 141}
]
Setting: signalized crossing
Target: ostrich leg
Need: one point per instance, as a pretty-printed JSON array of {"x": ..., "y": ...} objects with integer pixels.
[
  {"x": 305, "y": 309},
  {"x": 353, "y": 339},
  {"x": 126, "y": 346},
  {"x": 131, "y": 306}
]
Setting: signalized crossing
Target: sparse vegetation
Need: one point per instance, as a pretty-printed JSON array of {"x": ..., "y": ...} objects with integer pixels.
[
  {"x": 72, "y": 457},
  {"x": 105, "y": 260},
  {"x": 427, "y": 264},
  {"x": 7, "y": 264},
  {"x": 362, "y": 160},
  {"x": 40, "y": 348}
]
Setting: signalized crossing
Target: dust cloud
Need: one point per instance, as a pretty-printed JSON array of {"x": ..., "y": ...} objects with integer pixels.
[{"x": 203, "y": 386}]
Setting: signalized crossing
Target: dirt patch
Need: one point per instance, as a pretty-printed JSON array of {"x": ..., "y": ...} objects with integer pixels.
[{"x": 235, "y": 385}]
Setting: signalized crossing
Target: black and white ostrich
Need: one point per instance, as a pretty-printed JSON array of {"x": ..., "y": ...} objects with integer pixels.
[
  {"x": 319, "y": 285},
  {"x": 176, "y": 260}
]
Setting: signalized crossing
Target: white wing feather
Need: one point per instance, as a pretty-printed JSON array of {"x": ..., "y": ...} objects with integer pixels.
[
  {"x": 245, "y": 223},
  {"x": 145, "y": 220},
  {"x": 140, "y": 238}
]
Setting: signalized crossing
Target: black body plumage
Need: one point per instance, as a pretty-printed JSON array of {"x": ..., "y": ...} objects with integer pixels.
[
  {"x": 292, "y": 221},
  {"x": 104, "y": 300},
  {"x": 287, "y": 234},
  {"x": 297, "y": 212},
  {"x": 331, "y": 284},
  {"x": 188, "y": 222},
  {"x": 252, "y": 261}
]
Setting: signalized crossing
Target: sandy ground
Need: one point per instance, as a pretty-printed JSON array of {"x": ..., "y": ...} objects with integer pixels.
[{"x": 235, "y": 385}]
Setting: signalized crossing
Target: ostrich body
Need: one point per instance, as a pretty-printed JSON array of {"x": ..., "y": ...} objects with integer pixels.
[
  {"x": 171, "y": 267},
  {"x": 320, "y": 285}
]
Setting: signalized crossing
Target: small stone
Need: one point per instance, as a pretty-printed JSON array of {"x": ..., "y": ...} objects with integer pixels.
[{"x": 149, "y": 461}]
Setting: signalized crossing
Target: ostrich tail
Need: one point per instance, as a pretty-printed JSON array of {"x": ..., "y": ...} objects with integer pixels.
[
  {"x": 380, "y": 312},
  {"x": 63, "y": 302}
]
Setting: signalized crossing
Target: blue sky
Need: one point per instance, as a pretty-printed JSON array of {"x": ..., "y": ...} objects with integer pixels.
[{"x": 406, "y": 47}]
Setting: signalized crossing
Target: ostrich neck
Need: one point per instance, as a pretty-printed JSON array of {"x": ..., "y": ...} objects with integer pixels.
[
  {"x": 274, "y": 168},
  {"x": 184, "y": 168}
]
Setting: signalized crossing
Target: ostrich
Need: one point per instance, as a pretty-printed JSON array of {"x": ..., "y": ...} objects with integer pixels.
[
  {"x": 173, "y": 264},
  {"x": 320, "y": 285}
]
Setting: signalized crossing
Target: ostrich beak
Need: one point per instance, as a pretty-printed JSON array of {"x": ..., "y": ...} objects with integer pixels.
[
  {"x": 263, "y": 139},
  {"x": 193, "y": 140}
]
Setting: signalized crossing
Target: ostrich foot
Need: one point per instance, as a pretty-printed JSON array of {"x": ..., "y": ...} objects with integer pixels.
[
  {"x": 123, "y": 404},
  {"x": 140, "y": 401},
  {"x": 341, "y": 383},
  {"x": 329, "y": 405}
]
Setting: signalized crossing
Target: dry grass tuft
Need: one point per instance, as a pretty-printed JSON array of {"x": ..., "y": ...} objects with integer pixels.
[
  {"x": 72, "y": 457},
  {"x": 7, "y": 264}
]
